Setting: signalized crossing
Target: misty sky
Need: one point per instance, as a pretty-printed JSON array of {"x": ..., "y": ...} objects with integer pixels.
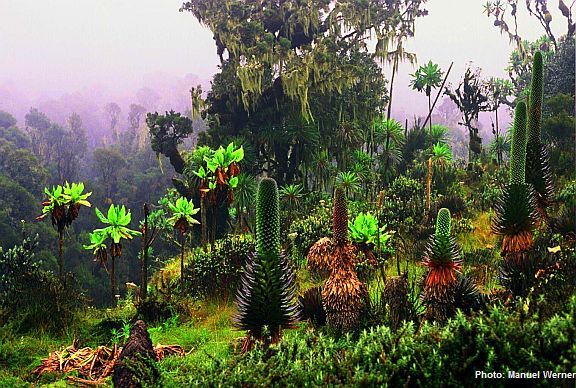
[{"x": 48, "y": 48}]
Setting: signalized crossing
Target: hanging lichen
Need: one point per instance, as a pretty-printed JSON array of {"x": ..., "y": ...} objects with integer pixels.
[
  {"x": 304, "y": 44},
  {"x": 250, "y": 76}
]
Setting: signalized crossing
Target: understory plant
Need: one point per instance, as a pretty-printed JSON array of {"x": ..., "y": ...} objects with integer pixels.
[
  {"x": 343, "y": 294},
  {"x": 218, "y": 177},
  {"x": 32, "y": 299},
  {"x": 369, "y": 237},
  {"x": 266, "y": 293}
]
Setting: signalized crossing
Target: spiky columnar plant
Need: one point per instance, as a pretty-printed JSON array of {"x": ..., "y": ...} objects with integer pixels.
[
  {"x": 343, "y": 294},
  {"x": 442, "y": 261},
  {"x": 266, "y": 293},
  {"x": 515, "y": 211},
  {"x": 340, "y": 218},
  {"x": 537, "y": 166}
]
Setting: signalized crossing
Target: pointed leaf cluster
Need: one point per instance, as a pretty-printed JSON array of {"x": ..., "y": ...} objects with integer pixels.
[
  {"x": 266, "y": 293},
  {"x": 118, "y": 219}
]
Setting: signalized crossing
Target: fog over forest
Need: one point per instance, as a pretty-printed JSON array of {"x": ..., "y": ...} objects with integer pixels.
[{"x": 68, "y": 56}]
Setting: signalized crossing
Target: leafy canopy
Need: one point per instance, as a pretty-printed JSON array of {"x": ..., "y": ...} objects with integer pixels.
[
  {"x": 118, "y": 219},
  {"x": 182, "y": 211}
]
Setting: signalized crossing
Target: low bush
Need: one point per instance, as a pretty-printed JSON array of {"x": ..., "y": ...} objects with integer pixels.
[
  {"x": 216, "y": 272},
  {"x": 497, "y": 340},
  {"x": 304, "y": 232},
  {"x": 32, "y": 299}
]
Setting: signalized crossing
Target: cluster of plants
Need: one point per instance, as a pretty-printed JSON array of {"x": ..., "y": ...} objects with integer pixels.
[
  {"x": 215, "y": 272},
  {"x": 495, "y": 340},
  {"x": 33, "y": 299},
  {"x": 305, "y": 231}
]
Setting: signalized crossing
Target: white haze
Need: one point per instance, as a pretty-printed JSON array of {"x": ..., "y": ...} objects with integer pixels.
[{"x": 77, "y": 55}]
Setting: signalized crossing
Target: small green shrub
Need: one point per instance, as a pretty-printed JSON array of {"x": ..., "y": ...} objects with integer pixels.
[
  {"x": 216, "y": 272},
  {"x": 32, "y": 299},
  {"x": 304, "y": 232}
]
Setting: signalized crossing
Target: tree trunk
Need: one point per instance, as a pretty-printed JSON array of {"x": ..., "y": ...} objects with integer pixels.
[
  {"x": 213, "y": 231},
  {"x": 182, "y": 245},
  {"x": 499, "y": 149},
  {"x": 238, "y": 218},
  {"x": 391, "y": 88},
  {"x": 429, "y": 183},
  {"x": 113, "y": 280},
  {"x": 144, "y": 260},
  {"x": 430, "y": 111},
  {"x": 204, "y": 222},
  {"x": 60, "y": 254}
]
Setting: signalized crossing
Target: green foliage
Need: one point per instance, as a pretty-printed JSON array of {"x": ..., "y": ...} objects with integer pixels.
[
  {"x": 32, "y": 299},
  {"x": 118, "y": 220},
  {"x": 518, "y": 147},
  {"x": 266, "y": 294},
  {"x": 349, "y": 181},
  {"x": 63, "y": 204},
  {"x": 6, "y": 120},
  {"x": 426, "y": 78},
  {"x": 166, "y": 132},
  {"x": 403, "y": 204},
  {"x": 75, "y": 196},
  {"x": 291, "y": 194},
  {"x": 497, "y": 340},
  {"x": 439, "y": 134},
  {"x": 183, "y": 211},
  {"x": 441, "y": 155},
  {"x": 364, "y": 230},
  {"x": 222, "y": 158},
  {"x": 215, "y": 273}
]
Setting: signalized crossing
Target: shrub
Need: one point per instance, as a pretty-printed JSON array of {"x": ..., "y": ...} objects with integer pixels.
[
  {"x": 33, "y": 299},
  {"x": 216, "y": 272},
  {"x": 304, "y": 232},
  {"x": 497, "y": 340}
]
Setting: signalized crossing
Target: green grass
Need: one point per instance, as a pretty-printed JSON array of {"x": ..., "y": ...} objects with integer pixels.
[{"x": 206, "y": 337}]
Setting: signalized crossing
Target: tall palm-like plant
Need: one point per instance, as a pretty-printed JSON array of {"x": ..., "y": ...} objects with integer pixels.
[
  {"x": 348, "y": 181},
  {"x": 388, "y": 133},
  {"x": 291, "y": 195},
  {"x": 63, "y": 205},
  {"x": 266, "y": 293},
  {"x": 395, "y": 57},
  {"x": 323, "y": 166},
  {"x": 440, "y": 158},
  {"x": 182, "y": 220},
  {"x": 425, "y": 79},
  {"x": 244, "y": 195},
  {"x": 117, "y": 221},
  {"x": 439, "y": 134}
]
